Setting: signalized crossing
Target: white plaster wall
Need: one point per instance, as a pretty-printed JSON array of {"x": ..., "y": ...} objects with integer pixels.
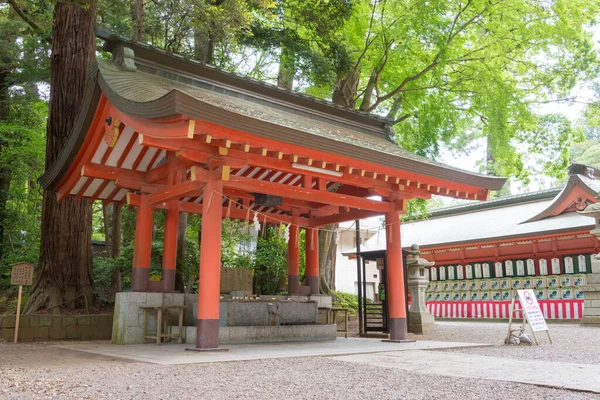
[{"x": 345, "y": 275}]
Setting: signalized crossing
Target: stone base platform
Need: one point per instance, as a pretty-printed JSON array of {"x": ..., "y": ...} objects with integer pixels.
[
  {"x": 591, "y": 305},
  {"x": 264, "y": 320},
  {"x": 265, "y": 334}
]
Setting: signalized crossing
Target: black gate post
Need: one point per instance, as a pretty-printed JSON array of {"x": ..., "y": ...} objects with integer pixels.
[{"x": 358, "y": 279}]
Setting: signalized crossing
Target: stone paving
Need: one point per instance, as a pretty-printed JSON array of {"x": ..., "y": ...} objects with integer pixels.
[
  {"x": 173, "y": 354},
  {"x": 580, "y": 377}
]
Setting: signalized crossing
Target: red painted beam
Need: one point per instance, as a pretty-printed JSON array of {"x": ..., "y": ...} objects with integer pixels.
[
  {"x": 174, "y": 192},
  {"x": 343, "y": 217},
  {"x": 294, "y": 192},
  {"x": 199, "y": 152},
  {"x": 110, "y": 173},
  {"x": 135, "y": 200},
  {"x": 220, "y": 132}
]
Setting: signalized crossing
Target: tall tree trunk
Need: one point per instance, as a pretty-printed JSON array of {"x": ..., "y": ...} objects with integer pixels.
[
  {"x": 106, "y": 225},
  {"x": 327, "y": 257},
  {"x": 139, "y": 19},
  {"x": 181, "y": 249},
  {"x": 344, "y": 94},
  {"x": 115, "y": 248},
  {"x": 287, "y": 69},
  {"x": 5, "y": 172},
  {"x": 64, "y": 274},
  {"x": 204, "y": 48}
]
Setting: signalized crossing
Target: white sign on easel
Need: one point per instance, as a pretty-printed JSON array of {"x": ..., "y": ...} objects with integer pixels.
[{"x": 532, "y": 309}]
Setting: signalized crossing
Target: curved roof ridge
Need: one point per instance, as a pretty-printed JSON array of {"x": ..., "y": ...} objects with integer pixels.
[
  {"x": 588, "y": 184},
  {"x": 112, "y": 39}
]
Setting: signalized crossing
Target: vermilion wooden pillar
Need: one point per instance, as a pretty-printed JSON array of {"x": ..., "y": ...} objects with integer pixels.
[
  {"x": 142, "y": 248},
  {"x": 395, "y": 278},
  {"x": 312, "y": 260},
  {"x": 293, "y": 257},
  {"x": 207, "y": 333},
  {"x": 169, "y": 260}
]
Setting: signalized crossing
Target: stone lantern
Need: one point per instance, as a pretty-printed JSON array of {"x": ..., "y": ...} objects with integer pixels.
[
  {"x": 591, "y": 291},
  {"x": 420, "y": 319}
]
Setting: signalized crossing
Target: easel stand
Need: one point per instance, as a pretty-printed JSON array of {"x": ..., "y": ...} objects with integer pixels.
[
  {"x": 513, "y": 312},
  {"x": 18, "y": 313}
]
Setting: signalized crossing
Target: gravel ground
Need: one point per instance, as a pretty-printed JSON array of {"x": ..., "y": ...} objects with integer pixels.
[
  {"x": 42, "y": 370},
  {"x": 571, "y": 343}
]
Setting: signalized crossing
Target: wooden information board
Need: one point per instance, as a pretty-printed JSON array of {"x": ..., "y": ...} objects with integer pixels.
[{"x": 21, "y": 275}]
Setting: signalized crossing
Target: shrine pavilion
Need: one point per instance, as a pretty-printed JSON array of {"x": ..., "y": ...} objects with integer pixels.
[{"x": 159, "y": 132}]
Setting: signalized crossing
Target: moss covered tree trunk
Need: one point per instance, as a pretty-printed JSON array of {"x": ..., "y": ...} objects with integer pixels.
[{"x": 64, "y": 274}]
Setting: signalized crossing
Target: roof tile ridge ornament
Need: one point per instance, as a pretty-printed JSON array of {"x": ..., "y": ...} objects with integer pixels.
[
  {"x": 124, "y": 57},
  {"x": 582, "y": 169}
]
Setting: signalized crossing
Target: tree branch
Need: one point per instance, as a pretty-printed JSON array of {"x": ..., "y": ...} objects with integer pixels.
[{"x": 28, "y": 21}]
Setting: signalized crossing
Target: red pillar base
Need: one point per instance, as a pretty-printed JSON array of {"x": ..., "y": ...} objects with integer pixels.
[
  {"x": 293, "y": 284},
  {"x": 206, "y": 350},
  {"x": 168, "y": 280},
  {"x": 313, "y": 282},
  {"x": 139, "y": 279},
  {"x": 398, "y": 329},
  {"x": 207, "y": 334}
]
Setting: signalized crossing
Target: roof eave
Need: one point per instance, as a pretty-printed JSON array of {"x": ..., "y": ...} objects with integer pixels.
[{"x": 54, "y": 174}]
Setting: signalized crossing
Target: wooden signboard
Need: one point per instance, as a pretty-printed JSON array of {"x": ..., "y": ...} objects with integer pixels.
[{"x": 21, "y": 275}]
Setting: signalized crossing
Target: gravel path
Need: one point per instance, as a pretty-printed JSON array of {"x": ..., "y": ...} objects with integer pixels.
[
  {"x": 571, "y": 343},
  {"x": 42, "y": 370}
]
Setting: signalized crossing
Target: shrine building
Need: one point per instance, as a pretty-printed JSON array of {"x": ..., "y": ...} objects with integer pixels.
[
  {"x": 481, "y": 251},
  {"x": 157, "y": 131}
]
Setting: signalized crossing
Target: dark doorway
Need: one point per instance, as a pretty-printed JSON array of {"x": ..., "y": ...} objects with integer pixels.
[{"x": 373, "y": 304}]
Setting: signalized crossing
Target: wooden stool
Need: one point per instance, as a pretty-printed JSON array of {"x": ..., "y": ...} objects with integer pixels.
[
  {"x": 161, "y": 323},
  {"x": 334, "y": 312}
]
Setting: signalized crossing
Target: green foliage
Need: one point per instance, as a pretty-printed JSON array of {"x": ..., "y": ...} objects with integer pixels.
[
  {"x": 345, "y": 300},
  {"x": 454, "y": 72},
  {"x": 23, "y": 156},
  {"x": 270, "y": 262}
]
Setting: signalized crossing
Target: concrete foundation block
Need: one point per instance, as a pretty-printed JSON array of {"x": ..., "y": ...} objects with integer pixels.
[
  {"x": 26, "y": 333},
  {"x": 421, "y": 323},
  {"x": 246, "y": 314},
  {"x": 322, "y": 301},
  {"x": 72, "y": 332},
  {"x": 68, "y": 321},
  {"x": 131, "y": 297},
  {"x": 298, "y": 313},
  {"x": 154, "y": 299},
  {"x": 591, "y": 311},
  {"x": 34, "y": 320},
  {"x": 8, "y": 321},
  {"x": 133, "y": 335},
  {"x": 57, "y": 332},
  {"x": 23, "y": 321},
  {"x": 268, "y": 334},
  {"x": 41, "y": 332},
  {"x": 8, "y": 334}
]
